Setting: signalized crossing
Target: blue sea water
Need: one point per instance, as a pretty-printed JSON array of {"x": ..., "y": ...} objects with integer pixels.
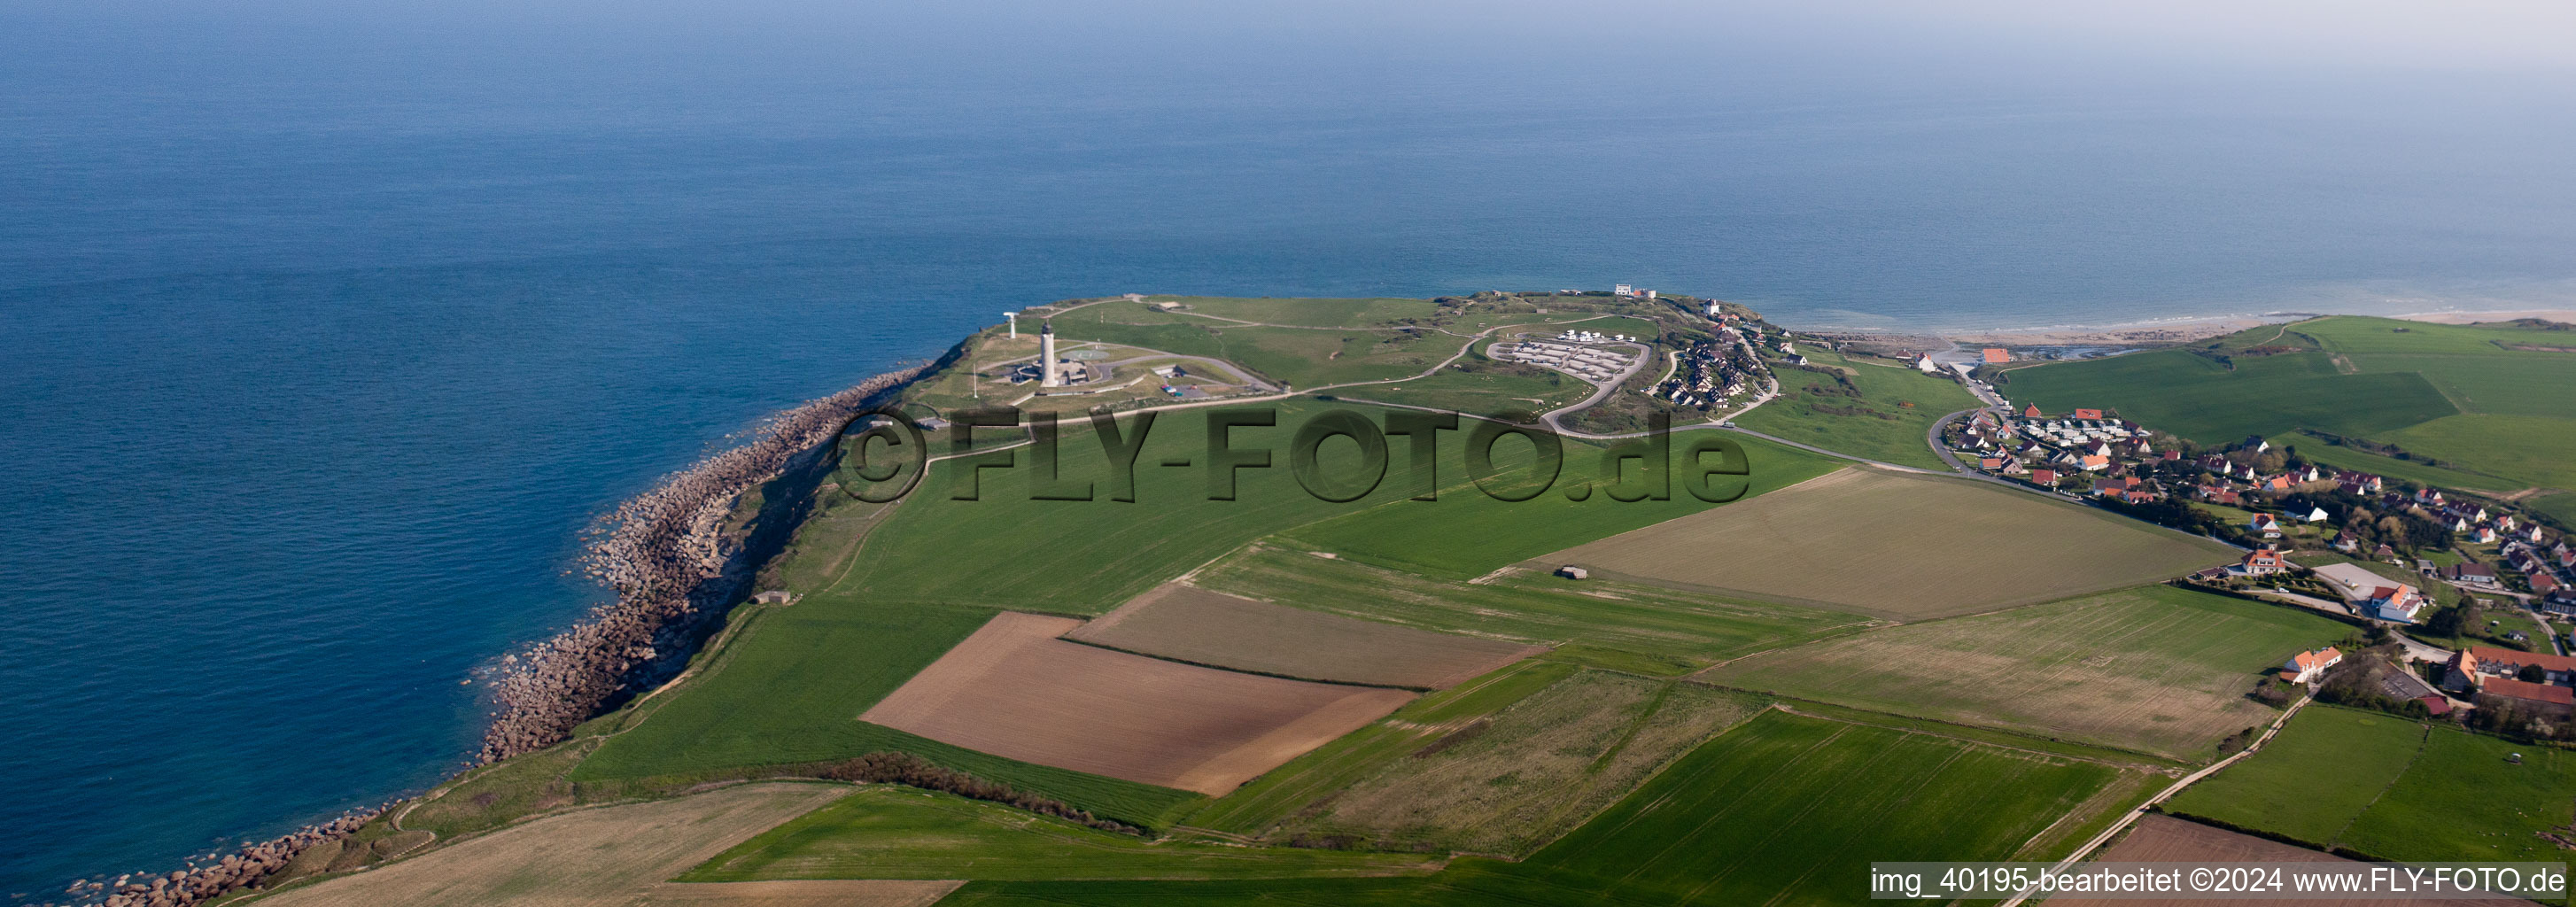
[{"x": 312, "y": 373}]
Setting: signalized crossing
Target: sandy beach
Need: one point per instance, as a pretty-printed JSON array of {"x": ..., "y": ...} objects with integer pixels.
[{"x": 2562, "y": 315}]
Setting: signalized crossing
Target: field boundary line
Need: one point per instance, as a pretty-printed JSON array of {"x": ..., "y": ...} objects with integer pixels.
[
  {"x": 2166, "y": 794},
  {"x": 1234, "y": 670},
  {"x": 2422, "y": 743},
  {"x": 1787, "y": 704}
]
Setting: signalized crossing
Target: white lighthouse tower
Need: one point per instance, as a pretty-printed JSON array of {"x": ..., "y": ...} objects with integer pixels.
[{"x": 1048, "y": 375}]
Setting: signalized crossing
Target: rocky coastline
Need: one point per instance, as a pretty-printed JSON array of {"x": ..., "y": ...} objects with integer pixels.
[{"x": 665, "y": 555}]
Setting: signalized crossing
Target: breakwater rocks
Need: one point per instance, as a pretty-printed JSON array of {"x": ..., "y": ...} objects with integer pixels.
[
  {"x": 245, "y": 868},
  {"x": 666, "y": 556}
]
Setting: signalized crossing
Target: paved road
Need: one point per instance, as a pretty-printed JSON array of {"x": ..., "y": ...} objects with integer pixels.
[
  {"x": 1600, "y": 389},
  {"x": 1933, "y": 438}
]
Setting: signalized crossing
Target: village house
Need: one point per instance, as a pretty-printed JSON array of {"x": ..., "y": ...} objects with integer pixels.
[
  {"x": 2263, "y": 562},
  {"x": 2471, "y": 573},
  {"x": 2265, "y": 525},
  {"x": 2372, "y": 595},
  {"x": 2305, "y": 667},
  {"x": 2496, "y": 676}
]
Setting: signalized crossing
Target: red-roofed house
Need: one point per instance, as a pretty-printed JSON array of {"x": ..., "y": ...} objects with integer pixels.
[
  {"x": 2030, "y": 412},
  {"x": 1997, "y": 356},
  {"x": 1991, "y": 463},
  {"x": 2305, "y": 666},
  {"x": 2095, "y": 462},
  {"x": 2399, "y": 603},
  {"x": 2088, "y": 414},
  {"x": 2046, "y": 477},
  {"x": 2264, "y": 562},
  {"x": 2534, "y": 697}
]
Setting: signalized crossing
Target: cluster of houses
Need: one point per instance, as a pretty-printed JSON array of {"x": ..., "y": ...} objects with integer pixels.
[
  {"x": 2233, "y": 484},
  {"x": 1571, "y": 353},
  {"x": 2540, "y": 684},
  {"x": 1711, "y": 373},
  {"x": 2049, "y": 451}
]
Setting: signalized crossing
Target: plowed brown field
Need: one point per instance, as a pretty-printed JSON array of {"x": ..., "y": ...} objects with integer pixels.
[{"x": 1013, "y": 689}]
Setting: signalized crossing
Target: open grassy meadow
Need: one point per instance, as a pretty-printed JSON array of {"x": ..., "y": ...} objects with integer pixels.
[
  {"x": 2343, "y": 457},
  {"x": 1195, "y": 626},
  {"x": 2530, "y": 450},
  {"x": 2465, "y": 799},
  {"x": 1515, "y": 780},
  {"x": 2156, "y": 669},
  {"x": 1481, "y": 386},
  {"x": 901, "y": 833},
  {"x": 1254, "y": 808},
  {"x": 1637, "y": 628},
  {"x": 1473, "y": 534},
  {"x": 606, "y": 857},
  {"x": 2493, "y": 402},
  {"x": 1302, "y": 356},
  {"x": 2558, "y": 506},
  {"x": 1863, "y": 408},
  {"x": 887, "y": 590},
  {"x": 1782, "y": 809},
  {"x": 2276, "y": 790},
  {"x": 2396, "y": 790},
  {"x": 1899, "y": 545}
]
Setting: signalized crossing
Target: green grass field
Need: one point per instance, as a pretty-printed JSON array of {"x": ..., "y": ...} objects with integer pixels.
[
  {"x": 1783, "y": 809},
  {"x": 1516, "y": 780},
  {"x": 901, "y": 833},
  {"x": 2155, "y": 669},
  {"x": 1261, "y": 804},
  {"x": 1641, "y": 629},
  {"x": 2463, "y": 800},
  {"x": 2560, "y": 506},
  {"x": 2530, "y": 450},
  {"x": 2490, "y": 401},
  {"x": 1875, "y": 424},
  {"x": 1302, "y": 356},
  {"x": 1467, "y": 534},
  {"x": 2341, "y": 457},
  {"x": 887, "y": 590},
  {"x": 1486, "y": 391},
  {"x": 2276, "y": 789},
  {"x": 2359, "y": 782},
  {"x": 1904, "y": 546}
]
